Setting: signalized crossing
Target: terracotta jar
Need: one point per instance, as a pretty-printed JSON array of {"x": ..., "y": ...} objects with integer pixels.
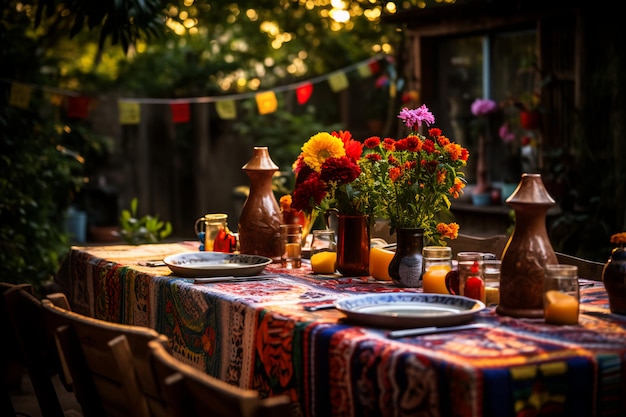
[
  {"x": 614, "y": 278},
  {"x": 260, "y": 218},
  {"x": 527, "y": 252}
]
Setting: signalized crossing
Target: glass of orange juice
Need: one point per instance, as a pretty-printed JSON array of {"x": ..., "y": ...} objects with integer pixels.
[
  {"x": 323, "y": 251},
  {"x": 436, "y": 265}
]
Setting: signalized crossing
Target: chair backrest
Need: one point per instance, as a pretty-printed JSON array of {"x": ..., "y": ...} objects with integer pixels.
[
  {"x": 109, "y": 362},
  {"x": 586, "y": 269},
  {"x": 190, "y": 392},
  {"x": 495, "y": 244},
  {"x": 24, "y": 330},
  {"x": 466, "y": 243}
]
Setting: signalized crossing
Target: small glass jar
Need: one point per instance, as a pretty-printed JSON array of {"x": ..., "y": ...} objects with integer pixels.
[
  {"x": 213, "y": 232},
  {"x": 437, "y": 263}
]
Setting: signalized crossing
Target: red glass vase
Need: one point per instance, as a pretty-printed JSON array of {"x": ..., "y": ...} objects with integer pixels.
[{"x": 353, "y": 243}]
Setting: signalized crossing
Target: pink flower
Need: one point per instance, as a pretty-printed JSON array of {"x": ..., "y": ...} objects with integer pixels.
[
  {"x": 481, "y": 107},
  {"x": 506, "y": 134},
  {"x": 415, "y": 117}
]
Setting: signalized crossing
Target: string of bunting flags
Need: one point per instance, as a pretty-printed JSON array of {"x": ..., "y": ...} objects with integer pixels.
[{"x": 78, "y": 105}]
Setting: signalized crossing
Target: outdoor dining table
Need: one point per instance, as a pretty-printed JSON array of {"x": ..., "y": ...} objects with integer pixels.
[{"x": 257, "y": 334}]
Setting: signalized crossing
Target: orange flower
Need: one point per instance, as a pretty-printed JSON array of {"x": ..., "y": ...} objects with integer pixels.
[
  {"x": 413, "y": 179},
  {"x": 619, "y": 238}
]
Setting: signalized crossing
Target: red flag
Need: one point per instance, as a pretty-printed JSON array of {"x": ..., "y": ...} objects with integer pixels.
[
  {"x": 78, "y": 107},
  {"x": 374, "y": 67},
  {"x": 180, "y": 112},
  {"x": 304, "y": 93}
]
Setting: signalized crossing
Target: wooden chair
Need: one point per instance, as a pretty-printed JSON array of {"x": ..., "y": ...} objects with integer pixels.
[
  {"x": 491, "y": 244},
  {"x": 25, "y": 331},
  {"x": 586, "y": 269},
  {"x": 495, "y": 244},
  {"x": 192, "y": 393},
  {"x": 108, "y": 362}
]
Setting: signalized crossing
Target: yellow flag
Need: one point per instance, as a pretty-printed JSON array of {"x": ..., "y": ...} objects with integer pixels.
[
  {"x": 20, "y": 95},
  {"x": 226, "y": 109},
  {"x": 266, "y": 102},
  {"x": 393, "y": 90},
  {"x": 55, "y": 99},
  {"x": 338, "y": 81},
  {"x": 364, "y": 70},
  {"x": 130, "y": 113}
]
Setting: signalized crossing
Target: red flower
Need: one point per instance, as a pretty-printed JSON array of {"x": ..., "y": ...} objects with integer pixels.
[
  {"x": 343, "y": 170},
  {"x": 428, "y": 146},
  {"x": 389, "y": 144},
  {"x": 354, "y": 148},
  {"x": 414, "y": 144},
  {"x": 372, "y": 142},
  {"x": 434, "y": 132},
  {"x": 402, "y": 145},
  {"x": 312, "y": 188}
]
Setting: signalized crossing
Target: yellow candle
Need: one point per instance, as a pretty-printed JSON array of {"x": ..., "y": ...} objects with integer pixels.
[
  {"x": 560, "y": 308},
  {"x": 323, "y": 262},
  {"x": 379, "y": 263},
  {"x": 434, "y": 279}
]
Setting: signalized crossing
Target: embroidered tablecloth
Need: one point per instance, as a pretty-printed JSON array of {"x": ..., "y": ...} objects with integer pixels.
[{"x": 257, "y": 335}]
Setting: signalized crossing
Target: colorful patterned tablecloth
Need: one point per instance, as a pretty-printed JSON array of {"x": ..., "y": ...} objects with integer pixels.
[{"x": 256, "y": 334}]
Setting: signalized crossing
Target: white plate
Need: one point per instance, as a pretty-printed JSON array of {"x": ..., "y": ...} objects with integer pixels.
[
  {"x": 212, "y": 264},
  {"x": 403, "y": 310}
]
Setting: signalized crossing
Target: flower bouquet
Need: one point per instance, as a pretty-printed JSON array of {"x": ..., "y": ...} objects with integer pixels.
[
  {"x": 328, "y": 175},
  {"x": 410, "y": 181},
  {"x": 329, "y": 180}
]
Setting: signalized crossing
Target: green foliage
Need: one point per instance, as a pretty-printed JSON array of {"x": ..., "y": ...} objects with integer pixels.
[
  {"x": 147, "y": 229},
  {"x": 37, "y": 182},
  {"x": 283, "y": 131},
  {"x": 43, "y": 160},
  {"x": 64, "y": 44},
  {"x": 121, "y": 22}
]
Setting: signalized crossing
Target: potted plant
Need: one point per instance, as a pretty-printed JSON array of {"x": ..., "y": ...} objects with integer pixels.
[{"x": 139, "y": 230}]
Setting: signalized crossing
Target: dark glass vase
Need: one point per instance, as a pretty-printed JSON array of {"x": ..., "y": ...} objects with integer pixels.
[
  {"x": 614, "y": 278},
  {"x": 353, "y": 243},
  {"x": 527, "y": 252},
  {"x": 405, "y": 268}
]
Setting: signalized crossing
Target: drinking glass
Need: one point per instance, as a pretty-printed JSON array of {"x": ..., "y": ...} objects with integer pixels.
[
  {"x": 323, "y": 251},
  {"x": 291, "y": 245},
  {"x": 471, "y": 279},
  {"x": 561, "y": 294},
  {"x": 491, "y": 276}
]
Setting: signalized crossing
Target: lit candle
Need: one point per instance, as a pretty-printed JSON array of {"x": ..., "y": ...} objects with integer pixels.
[
  {"x": 379, "y": 263},
  {"x": 560, "y": 308},
  {"x": 434, "y": 279},
  {"x": 323, "y": 262}
]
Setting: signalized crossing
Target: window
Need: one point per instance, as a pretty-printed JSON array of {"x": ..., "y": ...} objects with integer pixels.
[{"x": 497, "y": 66}]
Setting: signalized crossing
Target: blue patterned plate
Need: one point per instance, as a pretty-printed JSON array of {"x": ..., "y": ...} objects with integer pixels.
[
  {"x": 212, "y": 264},
  {"x": 403, "y": 310}
]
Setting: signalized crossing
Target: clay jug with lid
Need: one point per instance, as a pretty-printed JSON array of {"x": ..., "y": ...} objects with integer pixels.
[
  {"x": 527, "y": 252},
  {"x": 260, "y": 218}
]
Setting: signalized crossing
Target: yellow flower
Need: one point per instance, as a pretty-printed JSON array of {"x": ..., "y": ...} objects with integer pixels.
[
  {"x": 619, "y": 238},
  {"x": 321, "y": 147}
]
